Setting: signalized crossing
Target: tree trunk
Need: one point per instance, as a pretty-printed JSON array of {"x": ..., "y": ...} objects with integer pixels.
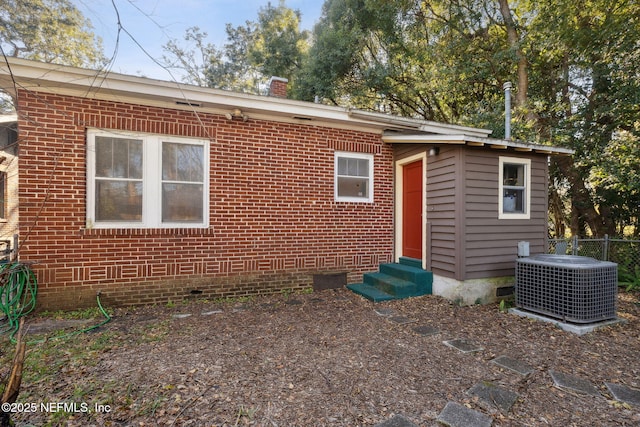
[
  {"x": 514, "y": 42},
  {"x": 583, "y": 210},
  {"x": 12, "y": 388},
  {"x": 557, "y": 212}
]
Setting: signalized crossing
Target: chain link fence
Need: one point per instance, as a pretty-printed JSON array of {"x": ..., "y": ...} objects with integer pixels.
[{"x": 624, "y": 252}]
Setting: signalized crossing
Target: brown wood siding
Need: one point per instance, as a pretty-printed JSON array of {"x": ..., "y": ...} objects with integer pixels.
[
  {"x": 441, "y": 211},
  {"x": 465, "y": 238},
  {"x": 491, "y": 243}
]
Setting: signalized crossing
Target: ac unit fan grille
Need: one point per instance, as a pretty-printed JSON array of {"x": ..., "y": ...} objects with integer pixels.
[{"x": 573, "y": 289}]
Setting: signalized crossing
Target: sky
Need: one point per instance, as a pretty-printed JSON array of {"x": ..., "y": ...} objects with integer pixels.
[{"x": 153, "y": 23}]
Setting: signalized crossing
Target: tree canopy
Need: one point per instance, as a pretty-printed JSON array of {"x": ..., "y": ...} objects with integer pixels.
[
  {"x": 574, "y": 66},
  {"x": 273, "y": 45},
  {"x": 52, "y": 31}
]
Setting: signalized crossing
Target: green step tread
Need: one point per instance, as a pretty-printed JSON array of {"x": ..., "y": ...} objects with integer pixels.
[
  {"x": 370, "y": 292},
  {"x": 391, "y": 284}
]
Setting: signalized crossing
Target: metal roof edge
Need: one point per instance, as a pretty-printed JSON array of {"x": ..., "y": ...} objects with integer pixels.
[
  {"x": 422, "y": 125},
  {"x": 106, "y": 85},
  {"x": 472, "y": 140}
]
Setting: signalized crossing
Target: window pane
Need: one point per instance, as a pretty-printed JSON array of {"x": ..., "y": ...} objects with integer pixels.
[
  {"x": 352, "y": 167},
  {"x": 513, "y": 175},
  {"x": 356, "y": 167},
  {"x": 513, "y": 201},
  {"x": 182, "y": 202},
  {"x": 118, "y": 200},
  {"x": 353, "y": 187},
  {"x": 182, "y": 162},
  {"x": 342, "y": 166},
  {"x": 348, "y": 166},
  {"x": 363, "y": 167},
  {"x": 118, "y": 157}
]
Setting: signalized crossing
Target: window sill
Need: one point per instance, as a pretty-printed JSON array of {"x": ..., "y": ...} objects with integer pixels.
[
  {"x": 514, "y": 216},
  {"x": 143, "y": 232}
]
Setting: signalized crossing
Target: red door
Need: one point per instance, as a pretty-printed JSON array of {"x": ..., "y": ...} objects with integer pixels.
[{"x": 412, "y": 191}]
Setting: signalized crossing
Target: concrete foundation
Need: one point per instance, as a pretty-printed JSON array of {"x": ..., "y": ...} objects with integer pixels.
[{"x": 469, "y": 292}]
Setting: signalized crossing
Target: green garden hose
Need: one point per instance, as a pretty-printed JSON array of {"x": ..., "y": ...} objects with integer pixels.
[{"x": 18, "y": 289}]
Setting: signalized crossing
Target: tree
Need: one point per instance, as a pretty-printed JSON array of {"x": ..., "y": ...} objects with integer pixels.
[
  {"x": 574, "y": 66},
  {"x": 271, "y": 46},
  {"x": 437, "y": 60},
  {"x": 585, "y": 83},
  {"x": 50, "y": 31},
  {"x": 192, "y": 60},
  {"x": 617, "y": 181},
  {"x": 277, "y": 45}
]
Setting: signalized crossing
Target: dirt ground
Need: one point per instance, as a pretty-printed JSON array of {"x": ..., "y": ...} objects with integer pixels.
[{"x": 323, "y": 359}]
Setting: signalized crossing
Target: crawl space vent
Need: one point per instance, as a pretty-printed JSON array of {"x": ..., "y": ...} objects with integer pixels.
[{"x": 571, "y": 288}]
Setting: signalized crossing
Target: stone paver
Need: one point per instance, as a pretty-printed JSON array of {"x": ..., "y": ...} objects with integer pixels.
[
  {"x": 396, "y": 421},
  {"x": 624, "y": 394},
  {"x": 464, "y": 345},
  {"x": 181, "y": 316},
  {"x": 492, "y": 396},
  {"x": 211, "y": 313},
  {"x": 401, "y": 320},
  {"x": 269, "y": 306},
  {"x": 573, "y": 383},
  {"x": 240, "y": 308},
  {"x": 425, "y": 330},
  {"x": 514, "y": 365},
  {"x": 456, "y": 415},
  {"x": 386, "y": 312},
  {"x": 51, "y": 325}
]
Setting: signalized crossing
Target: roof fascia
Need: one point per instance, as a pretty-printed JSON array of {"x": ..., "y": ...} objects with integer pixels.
[
  {"x": 471, "y": 140},
  {"x": 65, "y": 80},
  {"x": 422, "y": 125}
]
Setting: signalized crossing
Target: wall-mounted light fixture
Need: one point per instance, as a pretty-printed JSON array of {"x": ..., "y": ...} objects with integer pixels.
[
  {"x": 434, "y": 151},
  {"x": 237, "y": 113}
]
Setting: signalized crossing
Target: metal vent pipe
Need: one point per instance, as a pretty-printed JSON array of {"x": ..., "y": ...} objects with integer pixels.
[{"x": 507, "y": 109}]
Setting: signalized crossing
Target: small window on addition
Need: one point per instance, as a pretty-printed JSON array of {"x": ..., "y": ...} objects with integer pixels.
[
  {"x": 353, "y": 177},
  {"x": 514, "y": 197}
]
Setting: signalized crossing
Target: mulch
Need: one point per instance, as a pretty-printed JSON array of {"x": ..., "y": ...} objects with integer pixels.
[{"x": 332, "y": 358}]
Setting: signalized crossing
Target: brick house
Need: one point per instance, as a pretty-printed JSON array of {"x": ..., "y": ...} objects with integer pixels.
[{"x": 150, "y": 191}]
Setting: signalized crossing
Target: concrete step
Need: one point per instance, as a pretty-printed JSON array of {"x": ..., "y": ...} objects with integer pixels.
[
  {"x": 370, "y": 292},
  {"x": 411, "y": 262},
  {"x": 422, "y": 278},
  {"x": 391, "y": 285}
]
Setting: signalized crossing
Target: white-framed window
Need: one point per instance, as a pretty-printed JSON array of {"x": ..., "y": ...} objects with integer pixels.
[
  {"x": 353, "y": 175},
  {"x": 139, "y": 180},
  {"x": 514, "y": 194}
]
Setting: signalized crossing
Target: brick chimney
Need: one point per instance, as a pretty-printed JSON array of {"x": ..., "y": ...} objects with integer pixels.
[{"x": 278, "y": 87}]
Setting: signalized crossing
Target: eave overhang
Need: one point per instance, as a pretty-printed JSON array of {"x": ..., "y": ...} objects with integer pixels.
[
  {"x": 16, "y": 74},
  {"x": 474, "y": 141}
]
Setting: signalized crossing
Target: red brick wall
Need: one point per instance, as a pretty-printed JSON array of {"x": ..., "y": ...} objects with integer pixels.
[{"x": 273, "y": 219}]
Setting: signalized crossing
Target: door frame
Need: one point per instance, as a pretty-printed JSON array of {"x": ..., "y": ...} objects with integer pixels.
[{"x": 398, "y": 204}]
